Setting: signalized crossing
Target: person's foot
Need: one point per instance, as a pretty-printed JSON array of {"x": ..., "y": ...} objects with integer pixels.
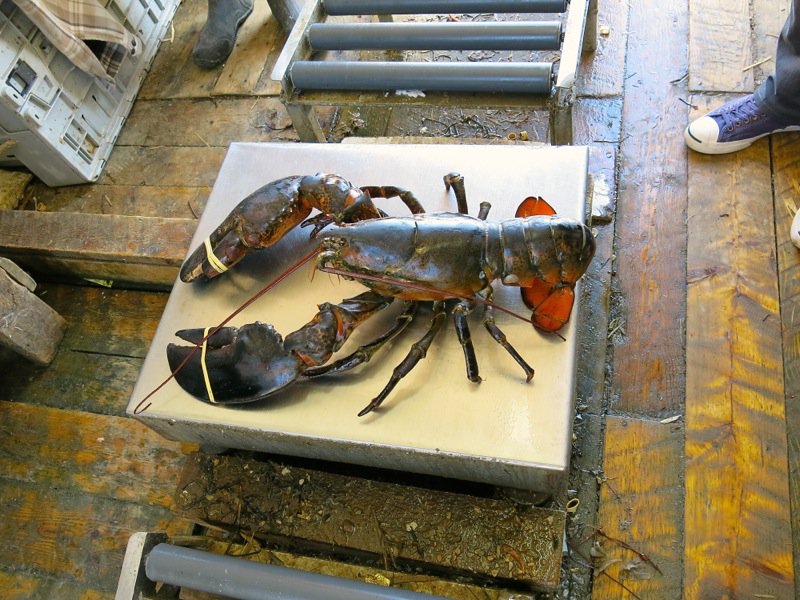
[
  {"x": 733, "y": 127},
  {"x": 218, "y": 36}
]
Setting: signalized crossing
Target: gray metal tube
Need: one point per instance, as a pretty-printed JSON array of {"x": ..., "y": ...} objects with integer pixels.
[
  {"x": 412, "y": 7},
  {"x": 536, "y": 35},
  {"x": 247, "y": 580},
  {"x": 522, "y": 78}
]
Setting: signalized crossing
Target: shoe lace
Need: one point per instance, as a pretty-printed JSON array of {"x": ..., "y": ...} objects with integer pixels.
[{"x": 741, "y": 114}]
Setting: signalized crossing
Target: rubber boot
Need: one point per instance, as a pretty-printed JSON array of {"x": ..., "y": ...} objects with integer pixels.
[{"x": 218, "y": 36}]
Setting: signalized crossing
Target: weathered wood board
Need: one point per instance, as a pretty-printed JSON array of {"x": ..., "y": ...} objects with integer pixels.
[
  {"x": 720, "y": 46},
  {"x": 735, "y": 405},
  {"x": 639, "y": 550},
  {"x": 786, "y": 161},
  {"x": 74, "y": 486},
  {"x": 143, "y": 250},
  {"x": 650, "y": 228}
]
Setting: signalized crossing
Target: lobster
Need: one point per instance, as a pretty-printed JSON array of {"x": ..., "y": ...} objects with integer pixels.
[{"x": 447, "y": 259}]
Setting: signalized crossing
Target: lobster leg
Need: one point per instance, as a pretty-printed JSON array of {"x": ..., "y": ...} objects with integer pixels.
[
  {"x": 389, "y": 191},
  {"x": 500, "y": 337},
  {"x": 460, "y": 312},
  {"x": 456, "y": 181},
  {"x": 417, "y": 352},
  {"x": 364, "y": 353}
]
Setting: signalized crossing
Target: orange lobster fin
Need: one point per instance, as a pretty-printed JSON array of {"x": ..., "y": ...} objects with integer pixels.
[
  {"x": 534, "y": 207},
  {"x": 551, "y": 305}
]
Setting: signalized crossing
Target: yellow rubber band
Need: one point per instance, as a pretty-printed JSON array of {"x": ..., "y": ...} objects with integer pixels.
[
  {"x": 215, "y": 263},
  {"x": 205, "y": 370}
]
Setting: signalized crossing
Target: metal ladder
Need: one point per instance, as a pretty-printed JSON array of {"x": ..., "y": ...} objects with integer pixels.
[{"x": 308, "y": 80}]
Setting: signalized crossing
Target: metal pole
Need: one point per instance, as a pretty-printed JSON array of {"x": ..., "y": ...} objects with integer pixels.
[
  {"x": 525, "y": 78},
  {"x": 544, "y": 35},
  {"x": 248, "y": 580},
  {"x": 406, "y": 7}
]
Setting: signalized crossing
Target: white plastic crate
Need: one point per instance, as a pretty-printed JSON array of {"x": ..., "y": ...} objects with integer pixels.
[{"x": 64, "y": 122}]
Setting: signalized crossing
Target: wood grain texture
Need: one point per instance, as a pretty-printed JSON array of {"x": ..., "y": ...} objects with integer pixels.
[
  {"x": 169, "y": 202},
  {"x": 393, "y": 524},
  {"x": 173, "y": 166},
  {"x": 73, "y": 487},
  {"x": 640, "y": 507},
  {"x": 114, "y": 457},
  {"x": 786, "y": 166},
  {"x": 142, "y": 250},
  {"x": 602, "y": 72},
  {"x": 207, "y": 122},
  {"x": 649, "y": 301},
  {"x": 720, "y": 46},
  {"x": 737, "y": 494},
  {"x": 82, "y": 536}
]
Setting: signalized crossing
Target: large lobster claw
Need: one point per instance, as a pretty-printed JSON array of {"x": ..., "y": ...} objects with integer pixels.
[{"x": 238, "y": 365}]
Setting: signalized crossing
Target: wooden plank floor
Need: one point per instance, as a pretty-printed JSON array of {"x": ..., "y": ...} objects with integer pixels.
[{"x": 686, "y": 459}]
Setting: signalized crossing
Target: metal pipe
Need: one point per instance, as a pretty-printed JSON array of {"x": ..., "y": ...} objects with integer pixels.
[
  {"x": 248, "y": 580},
  {"x": 410, "y": 7},
  {"x": 523, "y": 78},
  {"x": 535, "y": 35}
]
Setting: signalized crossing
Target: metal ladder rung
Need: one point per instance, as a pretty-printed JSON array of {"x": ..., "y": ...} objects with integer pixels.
[
  {"x": 529, "y": 35},
  {"x": 408, "y": 7},
  {"x": 507, "y": 78}
]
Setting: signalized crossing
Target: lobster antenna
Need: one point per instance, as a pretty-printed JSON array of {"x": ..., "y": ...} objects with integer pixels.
[
  {"x": 421, "y": 287},
  {"x": 140, "y": 408}
]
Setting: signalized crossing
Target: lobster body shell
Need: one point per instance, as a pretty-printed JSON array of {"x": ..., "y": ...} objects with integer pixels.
[{"x": 453, "y": 255}]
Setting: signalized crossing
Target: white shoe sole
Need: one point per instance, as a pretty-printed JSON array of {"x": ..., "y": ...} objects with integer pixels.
[
  {"x": 725, "y": 147},
  {"x": 794, "y": 232}
]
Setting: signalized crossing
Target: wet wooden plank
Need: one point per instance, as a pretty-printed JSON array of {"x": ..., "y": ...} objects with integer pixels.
[
  {"x": 18, "y": 585},
  {"x": 113, "y": 457},
  {"x": 640, "y": 511},
  {"x": 57, "y": 531},
  {"x": 587, "y": 454},
  {"x": 74, "y": 486},
  {"x": 393, "y": 524},
  {"x": 173, "y": 74},
  {"x": 720, "y": 46},
  {"x": 786, "y": 173},
  {"x": 143, "y": 250},
  {"x": 735, "y": 408},
  {"x": 650, "y": 225},
  {"x": 601, "y": 73}
]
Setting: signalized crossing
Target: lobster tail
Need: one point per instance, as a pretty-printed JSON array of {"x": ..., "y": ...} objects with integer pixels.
[{"x": 551, "y": 294}]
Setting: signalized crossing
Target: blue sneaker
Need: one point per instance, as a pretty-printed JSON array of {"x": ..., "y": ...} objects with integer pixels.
[{"x": 732, "y": 127}]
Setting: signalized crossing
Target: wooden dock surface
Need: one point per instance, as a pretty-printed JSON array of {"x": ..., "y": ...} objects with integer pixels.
[{"x": 686, "y": 469}]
